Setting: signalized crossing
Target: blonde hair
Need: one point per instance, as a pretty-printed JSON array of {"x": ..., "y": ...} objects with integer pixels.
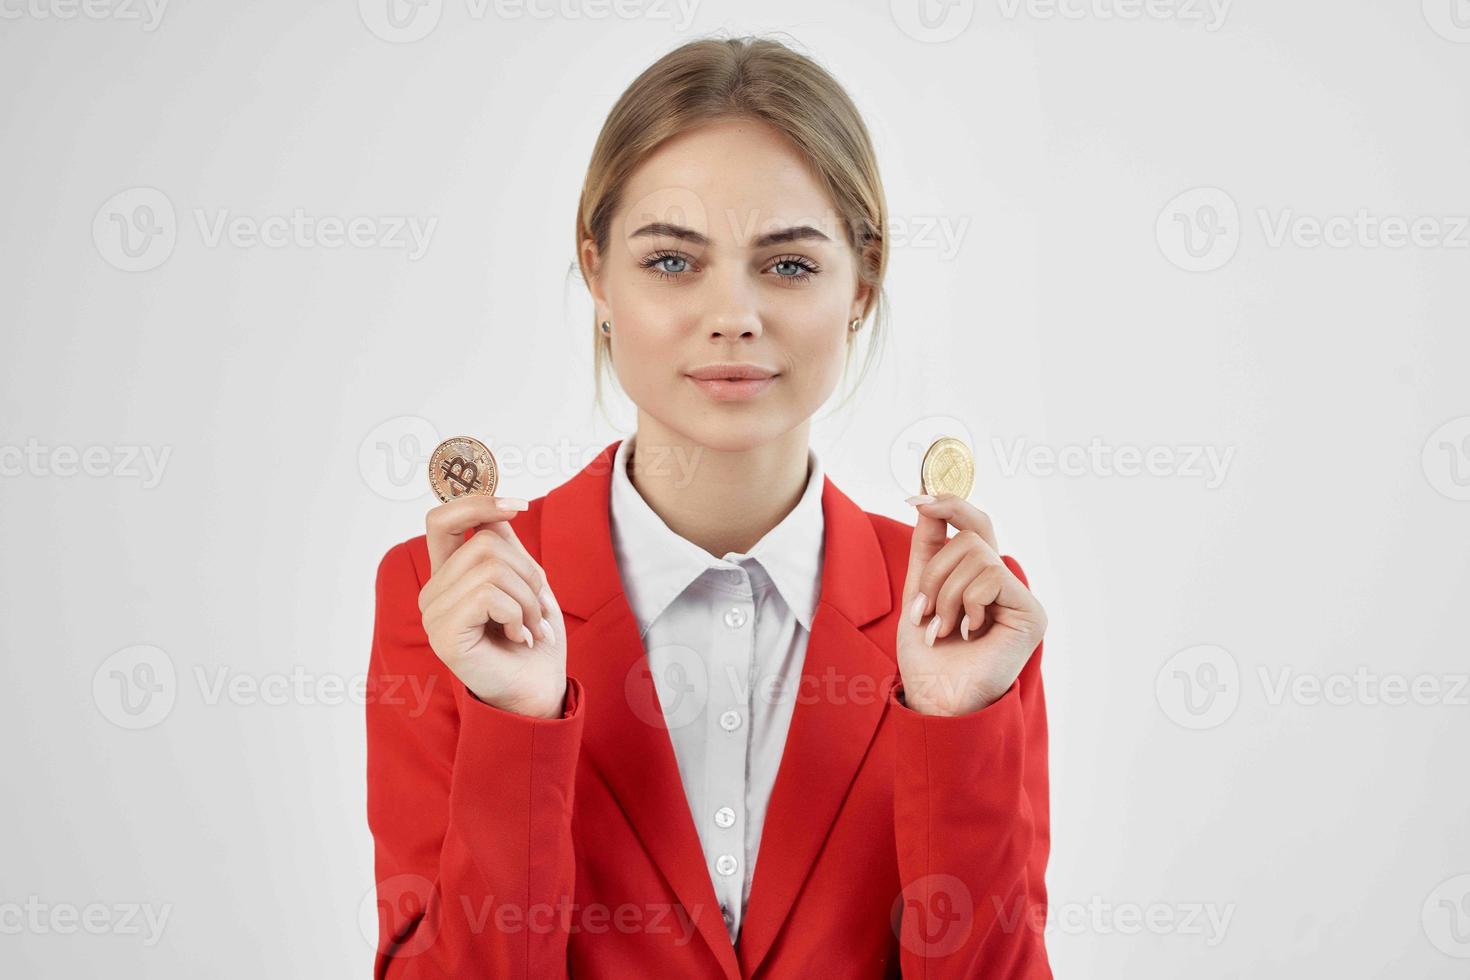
[{"x": 720, "y": 78}]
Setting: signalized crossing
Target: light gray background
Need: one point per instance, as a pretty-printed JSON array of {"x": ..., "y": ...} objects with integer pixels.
[{"x": 1088, "y": 207}]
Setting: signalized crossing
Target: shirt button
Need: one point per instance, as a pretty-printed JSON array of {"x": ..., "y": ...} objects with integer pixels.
[
  {"x": 725, "y": 914},
  {"x": 734, "y": 617},
  {"x": 724, "y": 817},
  {"x": 730, "y": 720},
  {"x": 725, "y": 864}
]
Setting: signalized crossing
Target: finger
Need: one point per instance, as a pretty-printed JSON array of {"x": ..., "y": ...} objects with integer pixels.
[
  {"x": 995, "y": 591},
  {"x": 964, "y": 515},
  {"x": 534, "y": 574},
  {"x": 491, "y": 603},
  {"x": 508, "y": 534},
  {"x": 503, "y": 576},
  {"x": 931, "y": 533},
  {"x": 447, "y": 523},
  {"x": 940, "y": 568},
  {"x": 949, "y": 600},
  {"x": 484, "y": 545},
  {"x": 476, "y": 609}
]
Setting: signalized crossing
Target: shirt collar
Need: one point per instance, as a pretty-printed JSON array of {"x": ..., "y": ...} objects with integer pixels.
[{"x": 657, "y": 565}]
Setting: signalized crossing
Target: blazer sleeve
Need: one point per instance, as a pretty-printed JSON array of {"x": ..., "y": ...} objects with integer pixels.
[
  {"x": 973, "y": 834},
  {"x": 469, "y": 806}
]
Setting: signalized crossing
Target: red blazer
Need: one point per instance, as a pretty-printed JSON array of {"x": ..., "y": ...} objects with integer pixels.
[{"x": 895, "y": 844}]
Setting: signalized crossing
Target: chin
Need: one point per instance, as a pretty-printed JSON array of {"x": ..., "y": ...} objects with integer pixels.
[{"x": 739, "y": 432}]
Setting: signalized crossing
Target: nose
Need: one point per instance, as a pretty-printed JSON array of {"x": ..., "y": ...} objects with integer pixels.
[{"x": 732, "y": 311}]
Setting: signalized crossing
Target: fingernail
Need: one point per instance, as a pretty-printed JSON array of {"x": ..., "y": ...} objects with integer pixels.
[
  {"x": 530, "y": 640},
  {"x": 965, "y": 627},
  {"x": 545, "y": 628},
  {"x": 922, "y": 498},
  {"x": 916, "y": 608},
  {"x": 546, "y": 598},
  {"x": 512, "y": 503},
  {"x": 933, "y": 631}
]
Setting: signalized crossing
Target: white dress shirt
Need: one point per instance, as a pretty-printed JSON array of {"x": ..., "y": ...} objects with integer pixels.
[{"x": 725, "y": 640}]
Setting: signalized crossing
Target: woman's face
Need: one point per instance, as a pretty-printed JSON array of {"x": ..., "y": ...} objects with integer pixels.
[{"x": 726, "y": 250}]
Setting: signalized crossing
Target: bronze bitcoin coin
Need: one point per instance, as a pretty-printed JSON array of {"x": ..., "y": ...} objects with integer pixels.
[{"x": 462, "y": 465}]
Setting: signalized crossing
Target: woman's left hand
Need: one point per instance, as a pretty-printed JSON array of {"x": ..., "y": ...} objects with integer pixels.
[{"x": 985, "y": 622}]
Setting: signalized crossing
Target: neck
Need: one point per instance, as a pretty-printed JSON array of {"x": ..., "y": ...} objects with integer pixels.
[{"x": 721, "y": 501}]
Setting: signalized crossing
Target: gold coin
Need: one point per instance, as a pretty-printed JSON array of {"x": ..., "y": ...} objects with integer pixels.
[
  {"x": 949, "y": 467},
  {"x": 462, "y": 465}
]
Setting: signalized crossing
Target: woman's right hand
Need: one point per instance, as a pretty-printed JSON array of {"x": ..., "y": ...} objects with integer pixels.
[{"x": 485, "y": 599}]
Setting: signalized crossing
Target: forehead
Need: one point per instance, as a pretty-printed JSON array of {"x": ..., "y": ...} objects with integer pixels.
[{"x": 729, "y": 180}]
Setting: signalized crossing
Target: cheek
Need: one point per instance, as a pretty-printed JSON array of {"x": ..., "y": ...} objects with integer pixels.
[
  {"x": 819, "y": 359},
  {"x": 644, "y": 328}
]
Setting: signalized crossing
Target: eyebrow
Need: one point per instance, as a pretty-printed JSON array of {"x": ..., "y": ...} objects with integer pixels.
[{"x": 664, "y": 229}]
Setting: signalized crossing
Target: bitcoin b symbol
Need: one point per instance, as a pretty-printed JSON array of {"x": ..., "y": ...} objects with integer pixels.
[{"x": 460, "y": 474}]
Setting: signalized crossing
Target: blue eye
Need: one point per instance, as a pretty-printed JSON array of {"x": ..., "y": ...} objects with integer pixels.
[
  {"x": 655, "y": 265},
  {"x": 798, "y": 269}
]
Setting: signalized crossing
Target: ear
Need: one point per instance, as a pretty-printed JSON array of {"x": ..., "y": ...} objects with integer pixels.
[
  {"x": 860, "y": 301},
  {"x": 591, "y": 263}
]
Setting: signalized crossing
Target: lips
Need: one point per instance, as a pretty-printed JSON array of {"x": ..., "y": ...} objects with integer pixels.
[
  {"x": 733, "y": 389},
  {"x": 731, "y": 372}
]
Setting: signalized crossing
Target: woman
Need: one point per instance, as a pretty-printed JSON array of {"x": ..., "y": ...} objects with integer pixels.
[{"x": 694, "y": 713}]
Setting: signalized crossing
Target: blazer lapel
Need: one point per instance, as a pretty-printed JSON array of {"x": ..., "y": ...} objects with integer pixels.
[
  {"x": 845, "y": 680},
  {"x": 625, "y": 736}
]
